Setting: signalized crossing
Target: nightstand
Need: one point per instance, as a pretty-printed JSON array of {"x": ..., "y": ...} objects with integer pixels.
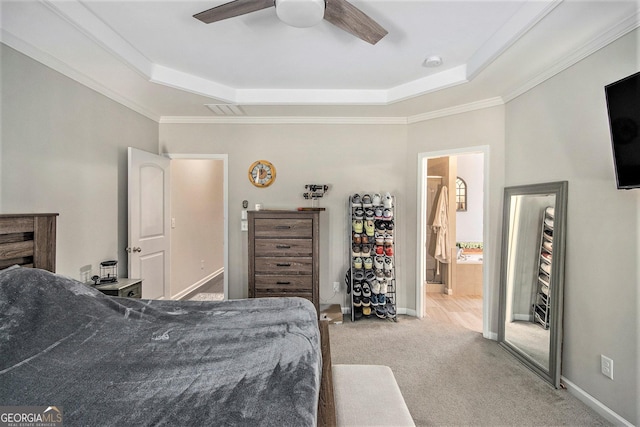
[{"x": 130, "y": 288}]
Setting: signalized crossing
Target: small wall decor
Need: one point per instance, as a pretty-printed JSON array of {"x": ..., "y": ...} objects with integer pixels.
[
  {"x": 262, "y": 173},
  {"x": 314, "y": 192},
  {"x": 461, "y": 195}
]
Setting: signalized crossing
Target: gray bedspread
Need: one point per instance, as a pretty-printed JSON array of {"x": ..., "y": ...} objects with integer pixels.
[{"x": 126, "y": 362}]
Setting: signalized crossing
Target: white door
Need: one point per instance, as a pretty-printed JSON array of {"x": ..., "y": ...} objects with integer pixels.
[{"x": 149, "y": 222}]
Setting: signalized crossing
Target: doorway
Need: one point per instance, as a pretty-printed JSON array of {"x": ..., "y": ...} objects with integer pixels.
[
  {"x": 199, "y": 222},
  {"x": 445, "y": 290}
]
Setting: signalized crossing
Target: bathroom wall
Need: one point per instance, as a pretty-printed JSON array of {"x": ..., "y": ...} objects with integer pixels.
[{"x": 469, "y": 223}]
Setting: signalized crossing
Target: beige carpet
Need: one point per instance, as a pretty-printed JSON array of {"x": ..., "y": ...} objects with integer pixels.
[{"x": 451, "y": 376}]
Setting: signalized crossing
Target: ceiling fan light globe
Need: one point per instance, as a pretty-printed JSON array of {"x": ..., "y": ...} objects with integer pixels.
[{"x": 300, "y": 13}]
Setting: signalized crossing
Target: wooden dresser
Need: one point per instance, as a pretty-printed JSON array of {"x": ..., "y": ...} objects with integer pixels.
[
  {"x": 28, "y": 240},
  {"x": 284, "y": 254}
]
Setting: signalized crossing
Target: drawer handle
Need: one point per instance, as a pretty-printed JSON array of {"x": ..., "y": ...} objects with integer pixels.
[
  {"x": 282, "y": 227},
  {"x": 131, "y": 293},
  {"x": 283, "y": 247},
  {"x": 283, "y": 283},
  {"x": 284, "y": 264}
]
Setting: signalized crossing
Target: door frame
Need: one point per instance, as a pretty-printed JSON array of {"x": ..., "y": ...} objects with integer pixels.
[
  {"x": 225, "y": 190},
  {"x": 421, "y": 215}
]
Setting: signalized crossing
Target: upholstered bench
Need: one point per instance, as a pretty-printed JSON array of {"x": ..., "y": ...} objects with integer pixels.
[{"x": 368, "y": 395}]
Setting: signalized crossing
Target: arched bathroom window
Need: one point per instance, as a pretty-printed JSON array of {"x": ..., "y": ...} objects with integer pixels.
[{"x": 461, "y": 195}]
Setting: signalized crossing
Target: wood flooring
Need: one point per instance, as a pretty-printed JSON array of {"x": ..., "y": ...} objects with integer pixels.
[{"x": 465, "y": 311}]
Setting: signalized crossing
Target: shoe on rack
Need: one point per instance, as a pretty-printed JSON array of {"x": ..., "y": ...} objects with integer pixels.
[
  {"x": 356, "y": 202},
  {"x": 379, "y": 212},
  {"x": 388, "y": 263},
  {"x": 375, "y": 287},
  {"x": 382, "y": 299},
  {"x": 366, "y": 311},
  {"x": 388, "y": 274},
  {"x": 367, "y": 262},
  {"x": 357, "y": 238},
  {"x": 364, "y": 238},
  {"x": 357, "y": 289},
  {"x": 379, "y": 250},
  {"x": 391, "y": 310},
  {"x": 376, "y": 200},
  {"x": 357, "y": 225},
  {"x": 374, "y": 300},
  {"x": 383, "y": 286},
  {"x": 369, "y": 215},
  {"x": 387, "y": 201},
  {"x": 366, "y": 201},
  {"x": 366, "y": 290},
  {"x": 369, "y": 228},
  {"x": 357, "y": 313},
  {"x": 389, "y": 226},
  {"x": 379, "y": 273},
  {"x": 379, "y": 238},
  {"x": 388, "y": 213},
  {"x": 356, "y": 250},
  {"x": 388, "y": 250},
  {"x": 388, "y": 238},
  {"x": 358, "y": 274},
  {"x": 381, "y": 311},
  {"x": 378, "y": 263},
  {"x": 358, "y": 213},
  {"x": 357, "y": 263},
  {"x": 357, "y": 301},
  {"x": 365, "y": 250},
  {"x": 369, "y": 275}
]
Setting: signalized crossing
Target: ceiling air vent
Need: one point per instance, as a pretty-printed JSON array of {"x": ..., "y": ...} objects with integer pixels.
[{"x": 226, "y": 109}]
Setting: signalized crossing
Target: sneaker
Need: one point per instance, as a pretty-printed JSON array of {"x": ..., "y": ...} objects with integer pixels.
[
  {"x": 382, "y": 299},
  {"x": 369, "y": 228},
  {"x": 379, "y": 213},
  {"x": 369, "y": 215},
  {"x": 368, "y": 263},
  {"x": 379, "y": 250},
  {"x": 357, "y": 238},
  {"x": 366, "y": 311},
  {"x": 358, "y": 275},
  {"x": 387, "y": 201},
  {"x": 388, "y": 214},
  {"x": 358, "y": 213},
  {"x": 390, "y": 309},
  {"x": 378, "y": 263},
  {"x": 379, "y": 273},
  {"x": 365, "y": 238},
  {"x": 375, "y": 287},
  {"x": 388, "y": 238},
  {"x": 383, "y": 286},
  {"x": 355, "y": 201},
  {"x": 388, "y": 263},
  {"x": 366, "y": 290},
  {"x": 357, "y": 289},
  {"x": 388, "y": 250},
  {"x": 366, "y": 201},
  {"x": 374, "y": 300},
  {"x": 365, "y": 250},
  {"x": 357, "y": 313},
  {"x": 379, "y": 238},
  {"x": 381, "y": 226},
  {"x": 376, "y": 200},
  {"x": 357, "y": 225},
  {"x": 369, "y": 275},
  {"x": 357, "y": 301},
  {"x": 381, "y": 311},
  {"x": 357, "y": 262},
  {"x": 388, "y": 274},
  {"x": 356, "y": 250},
  {"x": 389, "y": 226},
  {"x": 366, "y": 301}
]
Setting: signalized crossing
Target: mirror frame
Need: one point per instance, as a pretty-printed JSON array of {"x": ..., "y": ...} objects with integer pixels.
[{"x": 560, "y": 190}]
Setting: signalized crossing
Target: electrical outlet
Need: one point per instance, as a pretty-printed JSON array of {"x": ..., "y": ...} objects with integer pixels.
[
  {"x": 244, "y": 225},
  {"x": 336, "y": 286},
  {"x": 606, "y": 366}
]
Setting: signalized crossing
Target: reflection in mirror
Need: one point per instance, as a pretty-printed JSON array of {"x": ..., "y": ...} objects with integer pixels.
[{"x": 532, "y": 271}]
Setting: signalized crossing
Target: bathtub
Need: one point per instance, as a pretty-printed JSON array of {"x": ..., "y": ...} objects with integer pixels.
[
  {"x": 470, "y": 258},
  {"x": 468, "y": 279}
]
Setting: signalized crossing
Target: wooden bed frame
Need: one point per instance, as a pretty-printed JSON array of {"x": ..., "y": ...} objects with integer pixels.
[{"x": 29, "y": 240}]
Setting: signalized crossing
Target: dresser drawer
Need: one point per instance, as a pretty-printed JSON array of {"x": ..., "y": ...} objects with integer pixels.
[
  {"x": 283, "y": 227},
  {"x": 283, "y": 247},
  {"x": 283, "y": 265},
  {"x": 283, "y": 283}
]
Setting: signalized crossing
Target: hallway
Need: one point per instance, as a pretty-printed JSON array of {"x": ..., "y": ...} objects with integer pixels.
[{"x": 465, "y": 311}]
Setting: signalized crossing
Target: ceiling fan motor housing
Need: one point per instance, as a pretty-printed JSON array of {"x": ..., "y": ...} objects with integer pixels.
[{"x": 300, "y": 13}]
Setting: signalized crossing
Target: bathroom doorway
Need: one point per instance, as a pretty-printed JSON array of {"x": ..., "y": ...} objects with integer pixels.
[{"x": 451, "y": 279}]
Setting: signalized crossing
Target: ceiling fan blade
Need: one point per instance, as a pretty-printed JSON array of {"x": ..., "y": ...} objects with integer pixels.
[
  {"x": 231, "y": 9},
  {"x": 346, "y": 16}
]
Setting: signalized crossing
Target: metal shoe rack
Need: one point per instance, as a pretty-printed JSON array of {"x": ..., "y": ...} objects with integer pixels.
[
  {"x": 372, "y": 237},
  {"x": 541, "y": 307}
]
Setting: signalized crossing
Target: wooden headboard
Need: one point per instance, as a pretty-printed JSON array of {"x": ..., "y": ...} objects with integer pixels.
[{"x": 28, "y": 240}]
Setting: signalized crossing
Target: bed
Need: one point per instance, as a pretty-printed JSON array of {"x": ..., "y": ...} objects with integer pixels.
[{"x": 118, "y": 361}]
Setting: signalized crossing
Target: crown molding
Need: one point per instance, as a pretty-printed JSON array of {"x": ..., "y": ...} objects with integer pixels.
[
  {"x": 286, "y": 120},
  {"x": 64, "y": 69},
  {"x": 458, "y": 109},
  {"x": 600, "y": 41}
]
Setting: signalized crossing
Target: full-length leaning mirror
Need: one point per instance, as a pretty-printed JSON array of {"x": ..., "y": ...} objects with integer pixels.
[{"x": 532, "y": 272}]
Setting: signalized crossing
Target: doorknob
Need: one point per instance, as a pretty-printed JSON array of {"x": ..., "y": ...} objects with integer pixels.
[{"x": 134, "y": 249}]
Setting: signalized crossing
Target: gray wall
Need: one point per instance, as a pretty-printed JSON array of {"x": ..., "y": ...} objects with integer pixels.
[
  {"x": 64, "y": 149},
  {"x": 559, "y": 131}
]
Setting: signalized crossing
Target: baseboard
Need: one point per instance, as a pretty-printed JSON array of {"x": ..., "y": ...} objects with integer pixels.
[
  {"x": 182, "y": 294},
  {"x": 595, "y": 404}
]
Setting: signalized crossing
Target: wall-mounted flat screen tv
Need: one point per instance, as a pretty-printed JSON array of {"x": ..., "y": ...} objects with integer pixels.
[{"x": 623, "y": 106}]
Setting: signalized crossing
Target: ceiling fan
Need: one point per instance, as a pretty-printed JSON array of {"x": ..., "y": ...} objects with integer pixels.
[{"x": 303, "y": 13}]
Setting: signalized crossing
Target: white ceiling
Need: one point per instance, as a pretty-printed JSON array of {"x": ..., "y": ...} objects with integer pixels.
[{"x": 154, "y": 57}]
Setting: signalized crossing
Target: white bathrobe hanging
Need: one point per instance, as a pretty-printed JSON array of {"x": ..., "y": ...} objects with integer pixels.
[{"x": 441, "y": 228}]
